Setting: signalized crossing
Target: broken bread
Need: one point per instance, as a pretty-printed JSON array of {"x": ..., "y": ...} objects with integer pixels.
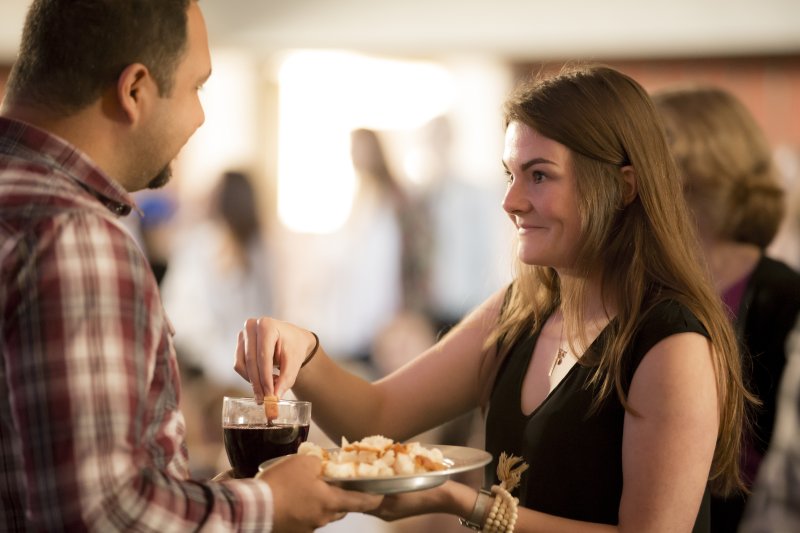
[
  {"x": 375, "y": 456},
  {"x": 271, "y": 407}
]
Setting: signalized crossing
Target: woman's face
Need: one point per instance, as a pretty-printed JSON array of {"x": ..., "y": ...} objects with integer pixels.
[{"x": 541, "y": 198}]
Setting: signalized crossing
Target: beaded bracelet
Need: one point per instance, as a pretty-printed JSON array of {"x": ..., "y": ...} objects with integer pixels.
[
  {"x": 503, "y": 514},
  {"x": 502, "y": 517},
  {"x": 313, "y": 350}
]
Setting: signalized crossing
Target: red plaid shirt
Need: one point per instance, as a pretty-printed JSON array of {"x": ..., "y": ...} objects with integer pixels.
[{"x": 91, "y": 437}]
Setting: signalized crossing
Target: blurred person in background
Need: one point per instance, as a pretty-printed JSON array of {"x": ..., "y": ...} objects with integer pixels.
[
  {"x": 220, "y": 273},
  {"x": 366, "y": 273},
  {"x": 608, "y": 364},
  {"x": 461, "y": 271},
  {"x": 786, "y": 244},
  {"x": 774, "y": 505},
  {"x": 375, "y": 178},
  {"x": 102, "y": 97},
  {"x": 732, "y": 188}
]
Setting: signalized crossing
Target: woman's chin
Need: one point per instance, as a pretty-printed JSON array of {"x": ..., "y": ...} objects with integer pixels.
[
  {"x": 531, "y": 256},
  {"x": 532, "y": 260}
]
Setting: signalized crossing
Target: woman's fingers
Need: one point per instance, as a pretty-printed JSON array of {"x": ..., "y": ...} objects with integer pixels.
[
  {"x": 264, "y": 344},
  {"x": 255, "y": 354},
  {"x": 251, "y": 364},
  {"x": 239, "y": 364},
  {"x": 289, "y": 369},
  {"x": 361, "y": 502},
  {"x": 268, "y": 345}
]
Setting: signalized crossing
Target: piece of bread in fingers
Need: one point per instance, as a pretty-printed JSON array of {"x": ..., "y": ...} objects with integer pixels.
[{"x": 271, "y": 407}]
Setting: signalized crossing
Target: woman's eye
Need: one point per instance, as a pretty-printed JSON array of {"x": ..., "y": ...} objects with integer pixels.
[
  {"x": 538, "y": 176},
  {"x": 509, "y": 177}
]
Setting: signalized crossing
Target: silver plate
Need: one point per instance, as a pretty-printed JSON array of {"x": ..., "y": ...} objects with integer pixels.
[{"x": 457, "y": 459}]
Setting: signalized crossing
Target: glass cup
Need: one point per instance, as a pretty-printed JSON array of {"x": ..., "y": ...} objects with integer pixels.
[{"x": 250, "y": 439}]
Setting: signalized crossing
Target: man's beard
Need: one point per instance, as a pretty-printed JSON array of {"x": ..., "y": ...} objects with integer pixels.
[{"x": 161, "y": 179}]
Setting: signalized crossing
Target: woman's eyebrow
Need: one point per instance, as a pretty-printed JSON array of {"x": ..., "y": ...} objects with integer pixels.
[
  {"x": 534, "y": 161},
  {"x": 537, "y": 161}
]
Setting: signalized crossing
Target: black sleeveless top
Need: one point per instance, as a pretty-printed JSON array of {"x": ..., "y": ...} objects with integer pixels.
[{"x": 574, "y": 456}]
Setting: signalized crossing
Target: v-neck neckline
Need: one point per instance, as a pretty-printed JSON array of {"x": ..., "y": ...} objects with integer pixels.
[{"x": 568, "y": 376}]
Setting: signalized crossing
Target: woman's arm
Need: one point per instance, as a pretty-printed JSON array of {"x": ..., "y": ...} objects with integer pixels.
[
  {"x": 458, "y": 499},
  {"x": 667, "y": 450},
  {"x": 440, "y": 384}
]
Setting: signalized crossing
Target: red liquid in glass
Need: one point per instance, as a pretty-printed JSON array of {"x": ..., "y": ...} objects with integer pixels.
[{"x": 249, "y": 446}]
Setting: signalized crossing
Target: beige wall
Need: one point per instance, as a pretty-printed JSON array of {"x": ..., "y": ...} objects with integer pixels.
[{"x": 768, "y": 86}]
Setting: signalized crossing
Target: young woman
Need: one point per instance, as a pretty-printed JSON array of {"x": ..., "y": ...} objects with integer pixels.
[{"x": 608, "y": 364}]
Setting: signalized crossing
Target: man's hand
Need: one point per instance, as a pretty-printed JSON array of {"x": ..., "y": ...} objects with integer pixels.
[{"x": 304, "y": 502}]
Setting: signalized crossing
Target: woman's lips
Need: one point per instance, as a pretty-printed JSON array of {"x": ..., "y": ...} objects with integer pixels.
[{"x": 525, "y": 228}]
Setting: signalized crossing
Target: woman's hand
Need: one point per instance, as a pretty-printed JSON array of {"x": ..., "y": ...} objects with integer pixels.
[
  {"x": 304, "y": 502},
  {"x": 397, "y": 506},
  {"x": 265, "y": 343},
  {"x": 451, "y": 497}
]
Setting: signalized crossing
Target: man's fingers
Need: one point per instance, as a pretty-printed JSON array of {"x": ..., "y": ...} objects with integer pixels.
[{"x": 263, "y": 474}]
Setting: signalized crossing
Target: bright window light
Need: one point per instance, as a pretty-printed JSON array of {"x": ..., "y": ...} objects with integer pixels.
[{"x": 324, "y": 96}]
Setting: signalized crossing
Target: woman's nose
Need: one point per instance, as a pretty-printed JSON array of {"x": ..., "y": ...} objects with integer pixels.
[{"x": 514, "y": 200}]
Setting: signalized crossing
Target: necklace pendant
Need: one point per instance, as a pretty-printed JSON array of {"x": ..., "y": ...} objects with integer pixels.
[{"x": 557, "y": 360}]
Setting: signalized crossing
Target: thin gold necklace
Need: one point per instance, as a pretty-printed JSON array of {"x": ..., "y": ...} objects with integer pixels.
[{"x": 561, "y": 353}]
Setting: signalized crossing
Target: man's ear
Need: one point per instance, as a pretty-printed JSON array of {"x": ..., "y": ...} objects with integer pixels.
[
  {"x": 630, "y": 190},
  {"x": 135, "y": 88}
]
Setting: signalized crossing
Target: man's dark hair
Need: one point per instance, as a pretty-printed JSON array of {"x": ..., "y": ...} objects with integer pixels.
[{"x": 72, "y": 50}]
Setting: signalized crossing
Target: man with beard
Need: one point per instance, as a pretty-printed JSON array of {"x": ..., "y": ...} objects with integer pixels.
[{"x": 102, "y": 97}]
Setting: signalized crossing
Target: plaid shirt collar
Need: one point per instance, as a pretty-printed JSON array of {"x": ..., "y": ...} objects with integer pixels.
[{"x": 32, "y": 143}]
